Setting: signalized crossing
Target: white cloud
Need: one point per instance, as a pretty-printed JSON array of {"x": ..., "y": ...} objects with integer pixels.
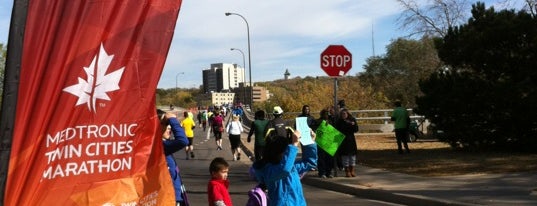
[{"x": 284, "y": 34}]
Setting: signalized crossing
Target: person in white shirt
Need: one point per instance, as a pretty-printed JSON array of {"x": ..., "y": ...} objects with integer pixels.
[{"x": 234, "y": 129}]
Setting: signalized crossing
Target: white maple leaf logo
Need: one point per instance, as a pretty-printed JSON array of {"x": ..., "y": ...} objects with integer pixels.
[{"x": 98, "y": 82}]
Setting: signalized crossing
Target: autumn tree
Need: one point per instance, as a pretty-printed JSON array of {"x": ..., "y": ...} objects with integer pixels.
[
  {"x": 318, "y": 93},
  {"x": 397, "y": 73},
  {"x": 485, "y": 96}
]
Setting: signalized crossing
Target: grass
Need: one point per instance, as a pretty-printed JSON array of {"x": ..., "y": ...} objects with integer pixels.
[{"x": 429, "y": 157}]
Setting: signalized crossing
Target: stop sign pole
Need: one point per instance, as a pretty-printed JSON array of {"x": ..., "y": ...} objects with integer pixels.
[{"x": 336, "y": 61}]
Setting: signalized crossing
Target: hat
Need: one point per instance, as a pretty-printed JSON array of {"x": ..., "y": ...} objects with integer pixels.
[{"x": 277, "y": 110}]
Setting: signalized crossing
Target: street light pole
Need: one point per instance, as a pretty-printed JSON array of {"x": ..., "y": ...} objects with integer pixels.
[
  {"x": 249, "y": 57},
  {"x": 176, "y": 76},
  {"x": 243, "y": 79}
]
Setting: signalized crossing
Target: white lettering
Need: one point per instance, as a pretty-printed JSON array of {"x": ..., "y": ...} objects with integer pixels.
[
  {"x": 88, "y": 167},
  {"x": 109, "y": 148},
  {"x": 91, "y": 131},
  {"x": 68, "y": 151},
  {"x": 128, "y": 204},
  {"x": 337, "y": 61}
]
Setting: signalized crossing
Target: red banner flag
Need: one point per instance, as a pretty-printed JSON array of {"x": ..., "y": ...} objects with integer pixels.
[{"x": 86, "y": 132}]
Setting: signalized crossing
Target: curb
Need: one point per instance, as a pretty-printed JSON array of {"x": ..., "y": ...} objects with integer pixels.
[{"x": 377, "y": 194}]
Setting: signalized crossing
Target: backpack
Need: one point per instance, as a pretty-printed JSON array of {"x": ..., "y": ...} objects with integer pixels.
[
  {"x": 278, "y": 127},
  {"x": 257, "y": 197}
]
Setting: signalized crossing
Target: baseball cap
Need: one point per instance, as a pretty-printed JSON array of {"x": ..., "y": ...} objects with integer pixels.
[{"x": 277, "y": 110}]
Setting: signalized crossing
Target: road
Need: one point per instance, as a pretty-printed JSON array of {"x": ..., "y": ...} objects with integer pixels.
[{"x": 195, "y": 173}]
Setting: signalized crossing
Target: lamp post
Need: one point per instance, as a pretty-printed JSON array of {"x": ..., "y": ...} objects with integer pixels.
[
  {"x": 249, "y": 57},
  {"x": 243, "y": 79},
  {"x": 176, "y": 76}
]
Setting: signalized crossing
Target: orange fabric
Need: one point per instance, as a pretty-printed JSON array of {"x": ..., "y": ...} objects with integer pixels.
[{"x": 86, "y": 132}]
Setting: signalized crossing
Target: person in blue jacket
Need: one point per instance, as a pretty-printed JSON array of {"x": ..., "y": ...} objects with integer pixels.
[
  {"x": 170, "y": 125},
  {"x": 280, "y": 173}
]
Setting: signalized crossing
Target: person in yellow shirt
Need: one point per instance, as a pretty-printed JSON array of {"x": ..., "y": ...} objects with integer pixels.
[{"x": 189, "y": 125}]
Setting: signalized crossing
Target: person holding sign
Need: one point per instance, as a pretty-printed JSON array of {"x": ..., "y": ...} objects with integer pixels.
[
  {"x": 280, "y": 171},
  {"x": 347, "y": 125},
  {"x": 306, "y": 113},
  {"x": 325, "y": 162}
]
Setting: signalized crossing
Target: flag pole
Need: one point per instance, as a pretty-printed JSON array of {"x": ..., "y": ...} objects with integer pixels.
[{"x": 11, "y": 87}]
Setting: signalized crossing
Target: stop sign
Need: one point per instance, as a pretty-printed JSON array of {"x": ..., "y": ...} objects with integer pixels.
[{"x": 336, "y": 60}]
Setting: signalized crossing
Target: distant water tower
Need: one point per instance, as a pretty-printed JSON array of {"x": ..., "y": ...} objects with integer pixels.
[{"x": 286, "y": 74}]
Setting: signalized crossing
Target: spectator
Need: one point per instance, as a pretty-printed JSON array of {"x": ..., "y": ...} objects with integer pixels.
[
  {"x": 170, "y": 124},
  {"x": 217, "y": 189},
  {"x": 280, "y": 172},
  {"x": 258, "y": 128},
  {"x": 402, "y": 122},
  {"x": 347, "y": 125},
  {"x": 341, "y": 105},
  {"x": 333, "y": 116},
  {"x": 306, "y": 113},
  {"x": 278, "y": 126},
  {"x": 325, "y": 161}
]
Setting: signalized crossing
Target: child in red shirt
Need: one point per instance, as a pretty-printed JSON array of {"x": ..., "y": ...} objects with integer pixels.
[{"x": 217, "y": 189}]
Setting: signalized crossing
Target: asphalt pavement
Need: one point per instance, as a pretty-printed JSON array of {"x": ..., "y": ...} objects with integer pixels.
[{"x": 382, "y": 185}]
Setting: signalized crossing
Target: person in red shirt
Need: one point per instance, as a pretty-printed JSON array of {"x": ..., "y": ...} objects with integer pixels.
[{"x": 217, "y": 189}]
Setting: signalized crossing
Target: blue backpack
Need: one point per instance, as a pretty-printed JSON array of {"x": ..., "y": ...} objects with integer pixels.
[{"x": 257, "y": 197}]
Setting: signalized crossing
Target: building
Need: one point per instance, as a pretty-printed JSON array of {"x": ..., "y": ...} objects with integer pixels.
[
  {"x": 222, "y": 77},
  {"x": 222, "y": 98},
  {"x": 226, "y": 83},
  {"x": 243, "y": 92}
]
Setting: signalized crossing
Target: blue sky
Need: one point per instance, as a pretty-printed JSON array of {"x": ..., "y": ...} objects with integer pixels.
[{"x": 284, "y": 34}]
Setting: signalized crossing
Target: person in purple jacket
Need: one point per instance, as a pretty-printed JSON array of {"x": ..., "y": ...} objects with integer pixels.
[{"x": 170, "y": 125}]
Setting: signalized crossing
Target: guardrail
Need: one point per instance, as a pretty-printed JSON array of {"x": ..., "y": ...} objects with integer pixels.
[{"x": 375, "y": 120}]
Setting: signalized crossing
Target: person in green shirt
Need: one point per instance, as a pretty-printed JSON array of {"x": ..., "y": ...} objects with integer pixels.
[
  {"x": 401, "y": 123},
  {"x": 258, "y": 128}
]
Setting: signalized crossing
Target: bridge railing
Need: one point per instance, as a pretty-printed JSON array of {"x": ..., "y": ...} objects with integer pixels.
[{"x": 370, "y": 121}]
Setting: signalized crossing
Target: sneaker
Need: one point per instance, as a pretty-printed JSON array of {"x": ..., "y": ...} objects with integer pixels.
[
  {"x": 323, "y": 176},
  {"x": 192, "y": 155}
]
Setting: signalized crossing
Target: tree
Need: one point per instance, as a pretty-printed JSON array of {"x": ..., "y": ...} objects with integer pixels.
[
  {"x": 529, "y": 6},
  {"x": 486, "y": 95},
  {"x": 396, "y": 74},
  {"x": 433, "y": 18},
  {"x": 317, "y": 92}
]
